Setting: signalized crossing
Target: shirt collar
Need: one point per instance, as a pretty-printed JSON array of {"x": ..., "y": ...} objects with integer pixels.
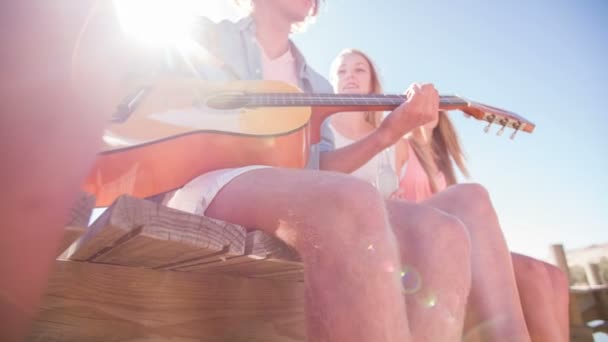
[{"x": 247, "y": 24}]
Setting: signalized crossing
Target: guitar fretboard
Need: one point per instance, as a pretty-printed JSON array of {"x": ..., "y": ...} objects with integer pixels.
[{"x": 301, "y": 99}]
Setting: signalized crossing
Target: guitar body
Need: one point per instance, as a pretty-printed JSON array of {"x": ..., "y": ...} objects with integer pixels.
[{"x": 173, "y": 137}]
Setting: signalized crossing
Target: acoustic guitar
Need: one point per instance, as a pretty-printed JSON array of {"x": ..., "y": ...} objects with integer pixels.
[{"x": 170, "y": 131}]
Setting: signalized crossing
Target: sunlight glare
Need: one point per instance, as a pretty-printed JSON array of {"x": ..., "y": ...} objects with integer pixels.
[{"x": 158, "y": 22}]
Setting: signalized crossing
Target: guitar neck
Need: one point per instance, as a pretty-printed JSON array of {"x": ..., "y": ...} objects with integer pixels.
[
  {"x": 349, "y": 102},
  {"x": 326, "y": 104}
]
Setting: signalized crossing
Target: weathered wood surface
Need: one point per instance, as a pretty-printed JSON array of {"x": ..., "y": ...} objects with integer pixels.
[
  {"x": 96, "y": 302},
  {"x": 140, "y": 233},
  {"x": 145, "y": 272},
  {"x": 593, "y": 304}
]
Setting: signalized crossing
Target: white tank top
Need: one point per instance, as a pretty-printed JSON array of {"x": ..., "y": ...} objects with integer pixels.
[{"x": 379, "y": 171}]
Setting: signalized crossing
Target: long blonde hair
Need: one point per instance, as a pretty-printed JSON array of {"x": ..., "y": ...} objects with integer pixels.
[
  {"x": 445, "y": 150},
  {"x": 374, "y": 118}
]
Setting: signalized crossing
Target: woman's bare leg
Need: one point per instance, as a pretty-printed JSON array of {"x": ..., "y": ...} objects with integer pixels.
[
  {"x": 494, "y": 312},
  {"x": 435, "y": 253},
  {"x": 543, "y": 290}
]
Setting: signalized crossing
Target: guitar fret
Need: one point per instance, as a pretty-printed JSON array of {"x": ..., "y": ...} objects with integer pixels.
[{"x": 299, "y": 99}]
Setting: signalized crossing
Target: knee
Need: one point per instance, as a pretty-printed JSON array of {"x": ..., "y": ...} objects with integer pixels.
[
  {"x": 475, "y": 197},
  {"x": 533, "y": 273},
  {"x": 347, "y": 211},
  {"x": 559, "y": 281},
  {"x": 527, "y": 267},
  {"x": 475, "y": 206},
  {"x": 531, "y": 277},
  {"x": 538, "y": 272}
]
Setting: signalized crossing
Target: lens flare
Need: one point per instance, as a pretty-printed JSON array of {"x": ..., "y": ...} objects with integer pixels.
[{"x": 411, "y": 280}]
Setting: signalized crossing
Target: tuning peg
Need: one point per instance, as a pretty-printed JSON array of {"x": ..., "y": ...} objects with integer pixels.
[
  {"x": 490, "y": 119},
  {"x": 487, "y": 128},
  {"x": 516, "y": 125},
  {"x": 504, "y": 123}
]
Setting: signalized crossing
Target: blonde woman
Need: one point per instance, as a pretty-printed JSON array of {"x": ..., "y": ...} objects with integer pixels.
[{"x": 494, "y": 309}]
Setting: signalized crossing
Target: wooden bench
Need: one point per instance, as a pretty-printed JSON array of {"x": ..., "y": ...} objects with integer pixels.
[{"x": 145, "y": 272}]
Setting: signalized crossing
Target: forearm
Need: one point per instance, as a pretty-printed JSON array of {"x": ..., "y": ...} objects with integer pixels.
[{"x": 349, "y": 158}]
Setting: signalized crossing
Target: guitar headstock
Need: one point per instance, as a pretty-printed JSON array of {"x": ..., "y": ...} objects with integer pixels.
[{"x": 492, "y": 115}]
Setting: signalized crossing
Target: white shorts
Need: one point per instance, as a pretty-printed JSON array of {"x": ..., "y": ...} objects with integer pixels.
[{"x": 196, "y": 196}]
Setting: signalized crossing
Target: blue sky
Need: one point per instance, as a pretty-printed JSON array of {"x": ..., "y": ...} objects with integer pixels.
[
  {"x": 542, "y": 59},
  {"x": 545, "y": 60}
]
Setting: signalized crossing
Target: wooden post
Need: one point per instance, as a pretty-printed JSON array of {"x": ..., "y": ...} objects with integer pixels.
[
  {"x": 593, "y": 274},
  {"x": 559, "y": 257}
]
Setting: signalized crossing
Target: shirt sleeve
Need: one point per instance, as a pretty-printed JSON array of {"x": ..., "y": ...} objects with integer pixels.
[
  {"x": 326, "y": 144},
  {"x": 320, "y": 85}
]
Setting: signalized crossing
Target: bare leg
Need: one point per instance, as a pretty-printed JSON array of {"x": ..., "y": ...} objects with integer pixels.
[
  {"x": 561, "y": 298},
  {"x": 494, "y": 312},
  {"x": 543, "y": 297},
  {"x": 51, "y": 121},
  {"x": 353, "y": 294},
  {"x": 435, "y": 254}
]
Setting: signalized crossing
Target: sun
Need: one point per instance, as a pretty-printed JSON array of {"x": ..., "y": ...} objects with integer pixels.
[{"x": 159, "y": 23}]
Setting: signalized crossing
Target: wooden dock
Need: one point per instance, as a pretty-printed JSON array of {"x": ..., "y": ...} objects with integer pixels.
[{"x": 143, "y": 271}]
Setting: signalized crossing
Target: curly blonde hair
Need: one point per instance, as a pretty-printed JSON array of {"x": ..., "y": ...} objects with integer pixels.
[{"x": 298, "y": 27}]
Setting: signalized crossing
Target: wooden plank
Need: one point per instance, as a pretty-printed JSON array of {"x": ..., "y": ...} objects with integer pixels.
[
  {"x": 295, "y": 275},
  {"x": 215, "y": 263},
  {"x": 97, "y": 302},
  {"x": 601, "y": 300},
  {"x": 136, "y": 232},
  {"x": 581, "y": 333},
  {"x": 78, "y": 220},
  {"x": 265, "y": 267},
  {"x": 246, "y": 267},
  {"x": 584, "y": 300},
  {"x": 265, "y": 257}
]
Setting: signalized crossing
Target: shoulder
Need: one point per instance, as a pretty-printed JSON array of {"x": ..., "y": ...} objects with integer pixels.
[
  {"x": 224, "y": 25},
  {"x": 208, "y": 31}
]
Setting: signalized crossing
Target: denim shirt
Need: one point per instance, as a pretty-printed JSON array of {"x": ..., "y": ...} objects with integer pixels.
[{"x": 231, "y": 52}]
